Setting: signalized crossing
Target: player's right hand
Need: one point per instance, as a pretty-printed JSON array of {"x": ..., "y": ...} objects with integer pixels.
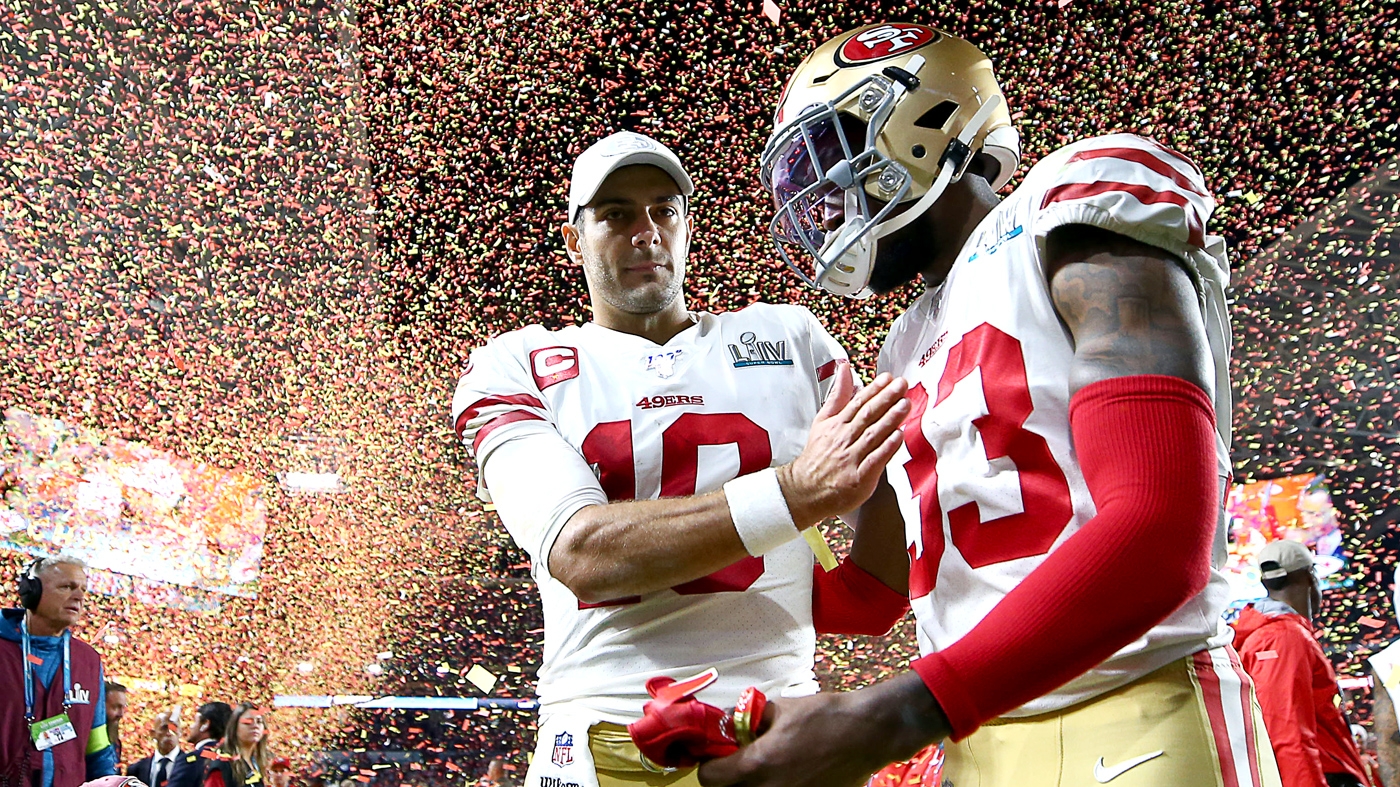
[
  {"x": 834, "y": 739},
  {"x": 853, "y": 436}
]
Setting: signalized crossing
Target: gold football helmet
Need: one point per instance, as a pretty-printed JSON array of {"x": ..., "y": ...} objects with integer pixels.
[{"x": 893, "y": 112}]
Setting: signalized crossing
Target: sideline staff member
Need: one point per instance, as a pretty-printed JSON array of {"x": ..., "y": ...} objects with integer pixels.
[
  {"x": 1293, "y": 677},
  {"x": 53, "y": 712}
]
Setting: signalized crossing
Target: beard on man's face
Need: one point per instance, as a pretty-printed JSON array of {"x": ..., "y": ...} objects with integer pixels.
[
  {"x": 648, "y": 298},
  {"x": 899, "y": 259}
]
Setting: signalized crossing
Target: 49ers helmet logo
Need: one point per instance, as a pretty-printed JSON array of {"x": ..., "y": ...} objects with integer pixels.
[{"x": 884, "y": 41}]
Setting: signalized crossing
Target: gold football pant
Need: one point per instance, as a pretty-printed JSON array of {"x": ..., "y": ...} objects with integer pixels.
[
  {"x": 1192, "y": 723},
  {"x": 619, "y": 763}
]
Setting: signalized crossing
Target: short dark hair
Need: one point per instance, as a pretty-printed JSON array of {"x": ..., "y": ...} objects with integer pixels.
[
  {"x": 217, "y": 714},
  {"x": 111, "y": 686}
]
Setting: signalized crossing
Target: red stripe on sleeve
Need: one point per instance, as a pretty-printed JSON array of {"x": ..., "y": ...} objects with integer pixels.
[
  {"x": 1170, "y": 152},
  {"x": 1140, "y": 156},
  {"x": 1144, "y": 194},
  {"x": 473, "y": 410},
  {"x": 1197, "y": 234},
  {"x": 829, "y": 368},
  {"x": 496, "y": 423},
  {"x": 1147, "y": 196}
]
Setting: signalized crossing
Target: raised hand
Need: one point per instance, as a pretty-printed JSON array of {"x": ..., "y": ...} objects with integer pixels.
[{"x": 853, "y": 436}]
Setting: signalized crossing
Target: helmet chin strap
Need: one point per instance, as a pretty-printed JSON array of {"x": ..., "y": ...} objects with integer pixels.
[{"x": 945, "y": 173}]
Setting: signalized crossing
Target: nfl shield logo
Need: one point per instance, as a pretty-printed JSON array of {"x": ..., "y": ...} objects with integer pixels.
[
  {"x": 663, "y": 363},
  {"x": 563, "y": 749}
]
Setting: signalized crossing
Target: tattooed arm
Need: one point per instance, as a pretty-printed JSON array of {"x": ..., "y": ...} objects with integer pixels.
[
  {"x": 1132, "y": 313},
  {"x": 1386, "y": 729},
  {"x": 1130, "y": 307}
]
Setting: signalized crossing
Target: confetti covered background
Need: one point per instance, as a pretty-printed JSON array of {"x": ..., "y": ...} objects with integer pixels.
[{"x": 230, "y": 230}]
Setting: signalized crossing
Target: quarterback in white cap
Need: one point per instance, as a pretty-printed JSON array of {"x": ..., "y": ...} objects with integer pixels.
[{"x": 659, "y": 465}]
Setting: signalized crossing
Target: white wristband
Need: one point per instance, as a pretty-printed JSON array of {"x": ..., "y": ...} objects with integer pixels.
[{"x": 760, "y": 511}]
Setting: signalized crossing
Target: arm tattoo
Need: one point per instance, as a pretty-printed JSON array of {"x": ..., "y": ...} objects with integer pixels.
[
  {"x": 1386, "y": 729},
  {"x": 1130, "y": 308}
]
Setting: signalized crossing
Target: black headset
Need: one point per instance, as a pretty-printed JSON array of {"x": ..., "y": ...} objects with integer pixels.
[{"x": 31, "y": 588}]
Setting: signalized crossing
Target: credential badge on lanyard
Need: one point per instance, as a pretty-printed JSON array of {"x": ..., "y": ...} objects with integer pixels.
[{"x": 46, "y": 733}]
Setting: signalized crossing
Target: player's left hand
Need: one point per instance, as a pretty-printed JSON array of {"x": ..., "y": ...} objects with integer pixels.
[{"x": 836, "y": 739}]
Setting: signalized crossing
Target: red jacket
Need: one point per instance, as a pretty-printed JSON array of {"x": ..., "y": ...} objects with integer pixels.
[{"x": 1298, "y": 694}]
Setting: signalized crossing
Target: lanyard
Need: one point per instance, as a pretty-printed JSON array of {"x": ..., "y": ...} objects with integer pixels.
[{"x": 29, "y": 670}]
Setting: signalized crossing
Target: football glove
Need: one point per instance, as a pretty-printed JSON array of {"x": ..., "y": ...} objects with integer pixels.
[{"x": 679, "y": 731}]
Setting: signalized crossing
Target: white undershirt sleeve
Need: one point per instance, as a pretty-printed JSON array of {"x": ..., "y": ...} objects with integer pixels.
[{"x": 538, "y": 481}]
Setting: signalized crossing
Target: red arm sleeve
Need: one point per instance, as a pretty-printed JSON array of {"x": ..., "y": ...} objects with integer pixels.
[
  {"x": 850, "y": 600},
  {"x": 1146, "y": 444},
  {"x": 1278, "y": 663},
  {"x": 214, "y": 778}
]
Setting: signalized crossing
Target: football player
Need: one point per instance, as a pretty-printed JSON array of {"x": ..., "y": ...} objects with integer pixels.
[
  {"x": 658, "y": 465},
  {"x": 1064, "y": 461}
]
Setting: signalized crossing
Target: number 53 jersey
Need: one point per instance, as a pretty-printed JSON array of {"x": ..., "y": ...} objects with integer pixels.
[
  {"x": 987, "y": 479},
  {"x": 559, "y": 420}
]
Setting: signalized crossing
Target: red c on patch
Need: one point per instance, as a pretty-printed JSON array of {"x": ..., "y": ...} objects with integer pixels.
[
  {"x": 552, "y": 365},
  {"x": 885, "y": 41}
]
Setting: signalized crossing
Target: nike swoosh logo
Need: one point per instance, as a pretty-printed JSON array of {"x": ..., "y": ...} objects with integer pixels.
[{"x": 1104, "y": 775}]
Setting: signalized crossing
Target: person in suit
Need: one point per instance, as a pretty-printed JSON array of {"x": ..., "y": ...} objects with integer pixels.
[
  {"x": 203, "y": 733},
  {"x": 154, "y": 770}
]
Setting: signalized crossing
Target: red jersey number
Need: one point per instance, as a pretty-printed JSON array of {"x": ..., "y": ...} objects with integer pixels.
[
  {"x": 1045, "y": 498},
  {"x": 609, "y": 446}
]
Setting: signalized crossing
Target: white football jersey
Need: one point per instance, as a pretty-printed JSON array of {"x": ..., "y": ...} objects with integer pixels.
[
  {"x": 990, "y": 482},
  {"x": 733, "y": 394}
]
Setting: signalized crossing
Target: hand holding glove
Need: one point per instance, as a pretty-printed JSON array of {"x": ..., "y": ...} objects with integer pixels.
[{"x": 679, "y": 731}]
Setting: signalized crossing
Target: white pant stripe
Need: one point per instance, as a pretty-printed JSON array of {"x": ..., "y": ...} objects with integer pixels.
[{"x": 1231, "y": 699}]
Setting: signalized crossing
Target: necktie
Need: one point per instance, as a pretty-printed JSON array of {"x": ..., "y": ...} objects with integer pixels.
[{"x": 159, "y": 781}]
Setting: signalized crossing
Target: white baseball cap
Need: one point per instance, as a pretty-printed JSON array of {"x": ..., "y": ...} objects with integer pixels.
[
  {"x": 1286, "y": 557},
  {"x": 609, "y": 154}
]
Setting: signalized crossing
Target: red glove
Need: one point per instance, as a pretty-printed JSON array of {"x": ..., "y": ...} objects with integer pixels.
[{"x": 679, "y": 731}]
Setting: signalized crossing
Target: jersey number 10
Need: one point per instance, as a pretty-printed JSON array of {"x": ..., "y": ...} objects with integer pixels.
[{"x": 609, "y": 446}]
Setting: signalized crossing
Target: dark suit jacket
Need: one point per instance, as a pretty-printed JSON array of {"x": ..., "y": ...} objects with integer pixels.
[
  {"x": 190, "y": 767},
  {"x": 141, "y": 769}
]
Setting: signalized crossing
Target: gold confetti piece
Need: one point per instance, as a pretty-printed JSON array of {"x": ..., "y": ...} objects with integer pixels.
[
  {"x": 481, "y": 678},
  {"x": 817, "y": 542}
]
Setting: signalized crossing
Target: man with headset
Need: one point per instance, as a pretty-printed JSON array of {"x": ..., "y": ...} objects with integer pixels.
[{"x": 53, "y": 712}]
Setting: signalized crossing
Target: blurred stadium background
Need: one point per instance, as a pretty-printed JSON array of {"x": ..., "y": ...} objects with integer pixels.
[{"x": 245, "y": 249}]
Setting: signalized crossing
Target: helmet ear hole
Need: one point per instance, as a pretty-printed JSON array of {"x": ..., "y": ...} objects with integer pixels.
[
  {"x": 986, "y": 166},
  {"x": 918, "y": 151},
  {"x": 1004, "y": 145},
  {"x": 937, "y": 117}
]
